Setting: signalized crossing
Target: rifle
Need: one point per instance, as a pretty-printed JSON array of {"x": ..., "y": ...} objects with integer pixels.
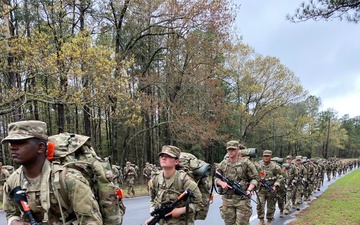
[
  {"x": 268, "y": 186},
  {"x": 19, "y": 196},
  {"x": 235, "y": 186},
  {"x": 159, "y": 213},
  {"x": 126, "y": 174}
]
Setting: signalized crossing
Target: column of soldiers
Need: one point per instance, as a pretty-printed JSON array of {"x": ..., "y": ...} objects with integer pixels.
[{"x": 301, "y": 177}]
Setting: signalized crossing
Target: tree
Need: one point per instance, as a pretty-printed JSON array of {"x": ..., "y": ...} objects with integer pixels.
[
  {"x": 324, "y": 9},
  {"x": 258, "y": 87}
]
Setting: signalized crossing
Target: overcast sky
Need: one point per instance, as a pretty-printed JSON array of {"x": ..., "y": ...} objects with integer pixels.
[{"x": 325, "y": 55}]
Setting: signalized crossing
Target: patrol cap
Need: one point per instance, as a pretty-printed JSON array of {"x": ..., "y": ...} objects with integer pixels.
[
  {"x": 232, "y": 145},
  {"x": 128, "y": 163},
  {"x": 170, "y": 150},
  {"x": 298, "y": 157},
  {"x": 289, "y": 157},
  {"x": 26, "y": 129},
  {"x": 267, "y": 152}
]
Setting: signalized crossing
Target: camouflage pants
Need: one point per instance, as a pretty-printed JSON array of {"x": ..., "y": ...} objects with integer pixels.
[
  {"x": 130, "y": 182},
  {"x": 266, "y": 198},
  {"x": 236, "y": 210},
  {"x": 290, "y": 197},
  {"x": 281, "y": 201},
  {"x": 328, "y": 174},
  {"x": 299, "y": 193}
]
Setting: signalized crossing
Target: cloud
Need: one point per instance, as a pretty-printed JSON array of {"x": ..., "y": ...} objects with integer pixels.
[{"x": 324, "y": 55}]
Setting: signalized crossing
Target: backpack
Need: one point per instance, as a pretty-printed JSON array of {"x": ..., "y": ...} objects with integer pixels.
[
  {"x": 67, "y": 150},
  {"x": 199, "y": 171},
  {"x": 9, "y": 168}
]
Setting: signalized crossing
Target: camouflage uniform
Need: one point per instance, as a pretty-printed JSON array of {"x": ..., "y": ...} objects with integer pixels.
[
  {"x": 302, "y": 179},
  {"x": 116, "y": 175},
  {"x": 273, "y": 174},
  {"x": 280, "y": 190},
  {"x": 164, "y": 190},
  {"x": 46, "y": 207},
  {"x": 235, "y": 209},
  {"x": 147, "y": 172},
  {"x": 4, "y": 174},
  {"x": 129, "y": 177},
  {"x": 291, "y": 175},
  {"x": 85, "y": 208}
]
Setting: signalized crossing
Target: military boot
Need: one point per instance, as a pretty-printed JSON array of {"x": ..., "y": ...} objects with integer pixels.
[
  {"x": 133, "y": 191},
  {"x": 262, "y": 222},
  {"x": 281, "y": 214},
  {"x": 268, "y": 222},
  {"x": 286, "y": 212}
]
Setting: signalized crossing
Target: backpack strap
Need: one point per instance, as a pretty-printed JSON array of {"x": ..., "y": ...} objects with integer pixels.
[{"x": 60, "y": 188}]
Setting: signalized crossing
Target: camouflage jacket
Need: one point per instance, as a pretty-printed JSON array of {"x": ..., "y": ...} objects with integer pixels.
[
  {"x": 272, "y": 173},
  {"x": 243, "y": 171},
  {"x": 163, "y": 191},
  {"x": 44, "y": 203}
]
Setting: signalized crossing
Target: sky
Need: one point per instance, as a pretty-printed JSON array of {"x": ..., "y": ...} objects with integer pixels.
[{"x": 325, "y": 55}]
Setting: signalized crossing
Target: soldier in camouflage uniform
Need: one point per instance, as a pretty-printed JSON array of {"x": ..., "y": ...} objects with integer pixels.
[
  {"x": 236, "y": 209},
  {"x": 4, "y": 174},
  {"x": 291, "y": 175},
  {"x": 116, "y": 175},
  {"x": 273, "y": 174},
  {"x": 302, "y": 179},
  {"x": 166, "y": 186},
  {"x": 280, "y": 190},
  {"x": 147, "y": 172},
  {"x": 28, "y": 145},
  {"x": 129, "y": 177}
]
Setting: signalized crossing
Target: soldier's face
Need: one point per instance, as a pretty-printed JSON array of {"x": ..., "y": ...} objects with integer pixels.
[
  {"x": 167, "y": 161},
  {"x": 266, "y": 158},
  {"x": 232, "y": 152},
  {"x": 24, "y": 151}
]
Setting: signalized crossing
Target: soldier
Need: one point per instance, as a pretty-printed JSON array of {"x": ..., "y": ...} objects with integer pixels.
[
  {"x": 236, "y": 209},
  {"x": 281, "y": 190},
  {"x": 28, "y": 145},
  {"x": 291, "y": 175},
  {"x": 302, "y": 179},
  {"x": 147, "y": 172},
  {"x": 129, "y": 177},
  {"x": 271, "y": 173},
  {"x": 4, "y": 174},
  {"x": 166, "y": 186},
  {"x": 116, "y": 175}
]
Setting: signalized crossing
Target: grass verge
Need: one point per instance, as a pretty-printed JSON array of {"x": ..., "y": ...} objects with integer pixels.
[{"x": 339, "y": 204}]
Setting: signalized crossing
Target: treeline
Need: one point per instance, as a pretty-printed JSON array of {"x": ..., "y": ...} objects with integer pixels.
[{"x": 135, "y": 75}]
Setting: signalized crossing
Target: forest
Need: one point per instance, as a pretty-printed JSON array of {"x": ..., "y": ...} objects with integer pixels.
[{"x": 136, "y": 75}]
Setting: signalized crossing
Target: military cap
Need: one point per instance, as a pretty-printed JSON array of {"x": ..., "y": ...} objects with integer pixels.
[
  {"x": 267, "y": 152},
  {"x": 128, "y": 163},
  {"x": 298, "y": 157},
  {"x": 289, "y": 157},
  {"x": 232, "y": 145},
  {"x": 170, "y": 150},
  {"x": 26, "y": 129}
]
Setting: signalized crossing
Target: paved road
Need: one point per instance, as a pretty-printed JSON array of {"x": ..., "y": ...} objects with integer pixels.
[{"x": 137, "y": 210}]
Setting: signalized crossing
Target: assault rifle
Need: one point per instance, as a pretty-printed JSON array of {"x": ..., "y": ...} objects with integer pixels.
[
  {"x": 235, "y": 186},
  {"x": 126, "y": 174},
  {"x": 159, "y": 213},
  {"x": 19, "y": 196},
  {"x": 268, "y": 186}
]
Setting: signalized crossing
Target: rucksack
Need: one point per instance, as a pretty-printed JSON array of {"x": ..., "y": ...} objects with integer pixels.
[
  {"x": 67, "y": 150},
  {"x": 199, "y": 170},
  {"x": 9, "y": 168}
]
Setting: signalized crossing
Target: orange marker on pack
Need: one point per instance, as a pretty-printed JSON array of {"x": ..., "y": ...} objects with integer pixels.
[{"x": 50, "y": 151}]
